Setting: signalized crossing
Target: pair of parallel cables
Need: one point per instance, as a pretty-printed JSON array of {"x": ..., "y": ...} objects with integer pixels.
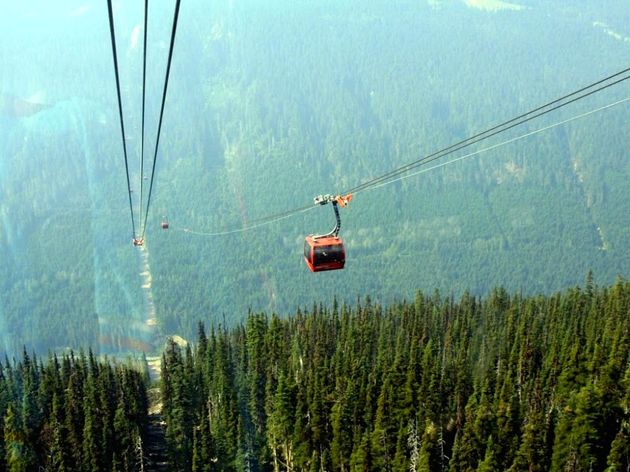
[
  {"x": 409, "y": 170},
  {"x": 138, "y": 238},
  {"x": 387, "y": 178}
]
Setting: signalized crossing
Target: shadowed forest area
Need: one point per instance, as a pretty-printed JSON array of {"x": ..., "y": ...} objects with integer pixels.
[{"x": 505, "y": 382}]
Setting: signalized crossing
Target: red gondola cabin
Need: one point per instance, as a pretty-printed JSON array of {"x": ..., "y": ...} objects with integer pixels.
[{"x": 324, "y": 253}]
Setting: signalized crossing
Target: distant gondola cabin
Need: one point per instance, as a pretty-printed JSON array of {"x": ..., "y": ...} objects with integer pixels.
[{"x": 324, "y": 253}]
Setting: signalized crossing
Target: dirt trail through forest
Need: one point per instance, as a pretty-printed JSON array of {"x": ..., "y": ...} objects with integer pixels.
[{"x": 150, "y": 314}]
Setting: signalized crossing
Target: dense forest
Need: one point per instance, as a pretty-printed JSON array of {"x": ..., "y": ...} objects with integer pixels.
[
  {"x": 408, "y": 359},
  {"x": 270, "y": 104},
  {"x": 502, "y": 383},
  {"x": 73, "y": 414}
]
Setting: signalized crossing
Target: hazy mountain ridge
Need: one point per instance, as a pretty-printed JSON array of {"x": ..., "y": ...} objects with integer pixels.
[{"x": 271, "y": 106}]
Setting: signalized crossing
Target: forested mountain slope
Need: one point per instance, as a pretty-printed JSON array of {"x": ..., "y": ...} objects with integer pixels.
[
  {"x": 272, "y": 103},
  {"x": 502, "y": 383}
]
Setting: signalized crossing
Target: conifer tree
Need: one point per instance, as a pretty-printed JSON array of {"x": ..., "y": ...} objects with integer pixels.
[{"x": 20, "y": 456}]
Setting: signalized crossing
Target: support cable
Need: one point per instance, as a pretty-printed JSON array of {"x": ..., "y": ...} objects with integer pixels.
[
  {"x": 120, "y": 113},
  {"x": 498, "y": 145},
  {"x": 157, "y": 140},
  {"x": 493, "y": 131},
  {"x": 287, "y": 214},
  {"x": 144, "y": 82}
]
